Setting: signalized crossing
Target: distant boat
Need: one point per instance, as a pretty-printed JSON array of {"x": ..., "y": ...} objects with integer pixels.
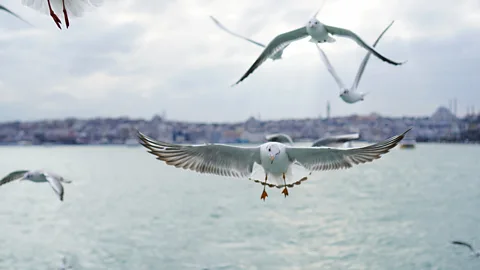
[
  {"x": 408, "y": 143},
  {"x": 24, "y": 143},
  {"x": 131, "y": 142}
]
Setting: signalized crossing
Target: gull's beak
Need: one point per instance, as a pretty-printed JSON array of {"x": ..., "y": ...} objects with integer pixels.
[{"x": 272, "y": 158}]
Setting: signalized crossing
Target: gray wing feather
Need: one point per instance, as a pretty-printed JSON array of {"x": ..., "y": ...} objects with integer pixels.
[
  {"x": 14, "y": 14},
  {"x": 13, "y": 176},
  {"x": 234, "y": 34},
  {"x": 279, "y": 43},
  {"x": 349, "y": 34},
  {"x": 55, "y": 184},
  {"x": 365, "y": 60},
  {"x": 325, "y": 158},
  {"x": 330, "y": 67},
  {"x": 217, "y": 159},
  {"x": 463, "y": 244}
]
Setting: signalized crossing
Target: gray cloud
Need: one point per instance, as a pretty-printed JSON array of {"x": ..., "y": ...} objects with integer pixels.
[{"x": 126, "y": 58}]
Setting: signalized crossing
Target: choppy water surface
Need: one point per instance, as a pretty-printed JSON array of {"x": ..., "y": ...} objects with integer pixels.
[{"x": 127, "y": 210}]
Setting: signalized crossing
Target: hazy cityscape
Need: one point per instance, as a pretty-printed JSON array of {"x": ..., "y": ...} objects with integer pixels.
[{"x": 441, "y": 126}]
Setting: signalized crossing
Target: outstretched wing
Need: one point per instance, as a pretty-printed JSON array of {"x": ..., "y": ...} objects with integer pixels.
[
  {"x": 330, "y": 68},
  {"x": 217, "y": 159},
  {"x": 463, "y": 244},
  {"x": 55, "y": 184},
  {"x": 14, "y": 14},
  {"x": 235, "y": 34},
  {"x": 13, "y": 176},
  {"x": 349, "y": 34},
  {"x": 74, "y": 7},
  {"x": 279, "y": 43},
  {"x": 325, "y": 158},
  {"x": 365, "y": 60}
]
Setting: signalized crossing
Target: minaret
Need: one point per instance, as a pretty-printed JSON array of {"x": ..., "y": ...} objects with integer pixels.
[
  {"x": 455, "y": 107},
  {"x": 328, "y": 109}
]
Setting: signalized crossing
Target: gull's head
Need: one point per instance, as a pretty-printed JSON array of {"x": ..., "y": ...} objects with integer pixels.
[
  {"x": 273, "y": 150},
  {"x": 344, "y": 92},
  {"x": 27, "y": 176},
  {"x": 313, "y": 23}
]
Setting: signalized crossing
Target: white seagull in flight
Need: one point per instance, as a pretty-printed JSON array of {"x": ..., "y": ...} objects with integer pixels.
[
  {"x": 75, "y": 7},
  {"x": 54, "y": 180},
  {"x": 319, "y": 33},
  {"x": 275, "y": 56},
  {"x": 475, "y": 253},
  {"x": 275, "y": 158},
  {"x": 350, "y": 95}
]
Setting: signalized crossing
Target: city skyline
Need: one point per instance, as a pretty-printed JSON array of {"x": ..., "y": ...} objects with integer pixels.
[
  {"x": 164, "y": 115},
  {"x": 136, "y": 60}
]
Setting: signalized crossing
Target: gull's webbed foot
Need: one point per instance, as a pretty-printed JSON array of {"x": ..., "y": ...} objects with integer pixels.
[
  {"x": 285, "y": 190},
  {"x": 56, "y": 19},
  {"x": 264, "y": 195},
  {"x": 65, "y": 15}
]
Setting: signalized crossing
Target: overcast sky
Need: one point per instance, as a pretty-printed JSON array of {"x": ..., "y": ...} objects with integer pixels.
[{"x": 140, "y": 58}]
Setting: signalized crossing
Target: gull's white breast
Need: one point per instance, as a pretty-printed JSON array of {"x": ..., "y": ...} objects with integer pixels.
[
  {"x": 280, "y": 164},
  {"x": 318, "y": 33},
  {"x": 351, "y": 97}
]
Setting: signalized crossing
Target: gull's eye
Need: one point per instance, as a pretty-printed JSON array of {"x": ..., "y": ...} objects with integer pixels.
[
  {"x": 316, "y": 22},
  {"x": 269, "y": 150}
]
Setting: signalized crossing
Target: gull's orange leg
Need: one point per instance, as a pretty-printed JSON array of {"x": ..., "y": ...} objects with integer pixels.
[
  {"x": 285, "y": 190},
  {"x": 54, "y": 16},
  {"x": 65, "y": 14},
  {"x": 264, "y": 193}
]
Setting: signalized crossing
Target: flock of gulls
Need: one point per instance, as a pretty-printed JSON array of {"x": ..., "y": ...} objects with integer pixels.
[{"x": 278, "y": 154}]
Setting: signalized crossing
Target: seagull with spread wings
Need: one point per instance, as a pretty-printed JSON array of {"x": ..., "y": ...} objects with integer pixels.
[
  {"x": 350, "y": 95},
  {"x": 275, "y": 158},
  {"x": 75, "y": 7},
  {"x": 319, "y": 33},
  {"x": 475, "y": 253},
  {"x": 38, "y": 176}
]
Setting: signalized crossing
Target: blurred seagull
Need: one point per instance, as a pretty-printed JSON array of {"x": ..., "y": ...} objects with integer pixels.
[
  {"x": 475, "y": 253},
  {"x": 275, "y": 158},
  {"x": 275, "y": 56},
  {"x": 350, "y": 95},
  {"x": 324, "y": 141},
  {"x": 279, "y": 137},
  {"x": 319, "y": 33},
  {"x": 75, "y": 7},
  {"x": 38, "y": 177},
  {"x": 333, "y": 140}
]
